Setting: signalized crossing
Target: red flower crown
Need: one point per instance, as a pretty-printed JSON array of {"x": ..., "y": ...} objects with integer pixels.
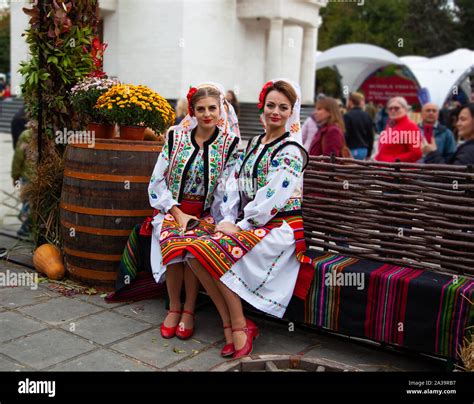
[
  {"x": 191, "y": 92},
  {"x": 263, "y": 93}
]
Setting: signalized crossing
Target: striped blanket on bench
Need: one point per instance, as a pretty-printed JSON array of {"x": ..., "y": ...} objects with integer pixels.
[{"x": 416, "y": 309}]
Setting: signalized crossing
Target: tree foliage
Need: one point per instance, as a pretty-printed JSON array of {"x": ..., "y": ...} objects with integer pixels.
[
  {"x": 404, "y": 27},
  {"x": 5, "y": 43},
  {"x": 59, "y": 39},
  {"x": 465, "y": 16}
]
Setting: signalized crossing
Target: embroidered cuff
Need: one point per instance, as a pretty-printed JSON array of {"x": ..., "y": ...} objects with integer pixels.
[
  {"x": 169, "y": 205},
  {"x": 244, "y": 225},
  {"x": 229, "y": 219}
]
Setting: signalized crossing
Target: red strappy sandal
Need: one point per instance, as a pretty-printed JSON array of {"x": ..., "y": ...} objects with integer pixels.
[
  {"x": 169, "y": 332},
  {"x": 185, "y": 333},
  {"x": 251, "y": 331},
  {"x": 228, "y": 349}
]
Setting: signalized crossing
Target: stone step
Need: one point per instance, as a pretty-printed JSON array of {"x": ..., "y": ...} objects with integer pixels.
[{"x": 8, "y": 109}]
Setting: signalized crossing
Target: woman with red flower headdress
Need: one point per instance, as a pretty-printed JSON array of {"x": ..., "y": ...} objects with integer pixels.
[
  {"x": 198, "y": 154},
  {"x": 258, "y": 248}
]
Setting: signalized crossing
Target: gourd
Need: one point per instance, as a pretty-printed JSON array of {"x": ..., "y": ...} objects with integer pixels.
[
  {"x": 151, "y": 135},
  {"x": 47, "y": 260}
]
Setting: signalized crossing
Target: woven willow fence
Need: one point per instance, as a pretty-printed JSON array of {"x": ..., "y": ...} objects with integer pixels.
[{"x": 421, "y": 216}]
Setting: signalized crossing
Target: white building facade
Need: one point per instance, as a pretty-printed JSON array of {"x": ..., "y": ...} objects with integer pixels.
[{"x": 169, "y": 45}]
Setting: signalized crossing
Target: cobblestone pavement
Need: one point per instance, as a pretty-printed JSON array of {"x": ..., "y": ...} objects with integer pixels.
[{"x": 41, "y": 329}]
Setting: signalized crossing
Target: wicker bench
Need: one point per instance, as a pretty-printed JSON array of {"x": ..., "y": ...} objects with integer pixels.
[
  {"x": 394, "y": 251},
  {"x": 393, "y": 244}
]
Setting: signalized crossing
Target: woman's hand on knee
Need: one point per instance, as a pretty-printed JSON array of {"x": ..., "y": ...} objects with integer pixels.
[
  {"x": 181, "y": 218},
  {"x": 227, "y": 228}
]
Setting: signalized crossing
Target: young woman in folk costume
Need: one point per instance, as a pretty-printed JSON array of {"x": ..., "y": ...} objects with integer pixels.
[
  {"x": 198, "y": 154},
  {"x": 258, "y": 257}
]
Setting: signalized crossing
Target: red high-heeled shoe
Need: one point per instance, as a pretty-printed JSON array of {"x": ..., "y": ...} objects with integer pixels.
[
  {"x": 185, "y": 333},
  {"x": 228, "y": 349},
  {"x": 251, "y": 331},
  {"x": 169, "y": 332}
]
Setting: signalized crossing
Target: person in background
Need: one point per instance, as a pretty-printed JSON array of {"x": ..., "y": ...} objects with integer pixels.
[
  {"x": 232, "y": 99},
  {"x": 401, "y": 139},
  {"x": 359, "y": 128},
  {"x": 2, "y": 87},
  {"x": 450, "y": 117},
  {"x": 430, "y": 126},
  {"x": 443, "y": 116},
  {"x": 2, "y": 90},
  {"x": 181, "y": 110},
  {"x": 309, "y": 129},
  {"x": 330, "y": 136},
  {"x": 381, "y": 119},
  {"x": 453, "y": 119},
  {"x": 341, "y": 106},
  {"x": 7, "y": 93},
  {"x": 21, "y": 172},
  {"x": 371, "y": 109},
  {"x": 464, "y": 154},
  {"x": 18, "y": 125}
]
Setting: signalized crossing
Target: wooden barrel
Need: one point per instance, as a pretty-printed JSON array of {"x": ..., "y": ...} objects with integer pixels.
[{"x": 104, "y": 195}]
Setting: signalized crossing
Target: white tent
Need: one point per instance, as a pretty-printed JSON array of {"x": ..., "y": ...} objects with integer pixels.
[
  {"x": 355, "y": 62},
  {"x": 442, "y": 74}
]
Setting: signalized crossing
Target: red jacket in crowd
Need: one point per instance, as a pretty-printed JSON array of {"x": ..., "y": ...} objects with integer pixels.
[
  {"x": 329, "y": 139},
  {"x": 401, "y": 140}
]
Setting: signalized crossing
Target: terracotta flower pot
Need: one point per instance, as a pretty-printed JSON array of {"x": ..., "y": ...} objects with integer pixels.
[
  {"x": 132, "y": 132},
  {"x": 101, "y": 130}
]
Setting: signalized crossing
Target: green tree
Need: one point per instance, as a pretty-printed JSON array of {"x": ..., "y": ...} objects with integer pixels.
[
  {"x": 465, "y": 15},
  {"x": 376, "y": 22},
  {"x": 431, "y": 28},
  {"x": 5, "y": 43},
  {"x": 404, "y": 27}
]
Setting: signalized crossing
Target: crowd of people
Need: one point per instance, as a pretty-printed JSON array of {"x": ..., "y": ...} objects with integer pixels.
[
  {"x": 5, "y": 91},
  {"x": 389, "y": 134}
]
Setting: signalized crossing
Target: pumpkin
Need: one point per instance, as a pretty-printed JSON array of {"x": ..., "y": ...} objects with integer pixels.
[
  {"x": 47, "y": 260},
  {"x": 151, "y": 135}
]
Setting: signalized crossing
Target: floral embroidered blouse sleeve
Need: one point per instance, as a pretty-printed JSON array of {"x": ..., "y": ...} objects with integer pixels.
[
  {"x": 284, "y": 177},
  {"x": 219, "y": 193},
  {"x": 229, "y": 208},
  {"x": 159, "y": 195}
]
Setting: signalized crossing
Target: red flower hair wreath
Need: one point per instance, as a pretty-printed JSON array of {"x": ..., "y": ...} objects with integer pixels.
[
  {"x": 191, "y": 92},
  {"x": 263, "y": 93}
]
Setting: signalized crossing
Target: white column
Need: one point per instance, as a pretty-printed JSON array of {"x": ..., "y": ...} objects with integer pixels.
[
  {"x": 308, "y": 65},
  {"x": 292, "y": 45},
  {"x": 111, "y": 38},
  {"x": 274, "y": 49},
  {"x": 18, "y": 47}
]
